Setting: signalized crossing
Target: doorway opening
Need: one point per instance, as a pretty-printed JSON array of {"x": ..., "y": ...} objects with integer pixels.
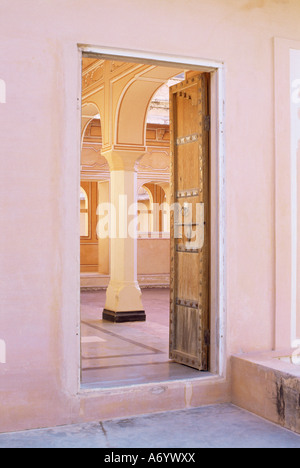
[{"x": 133, "y": 100}]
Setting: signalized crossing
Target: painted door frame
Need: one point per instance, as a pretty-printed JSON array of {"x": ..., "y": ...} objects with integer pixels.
[
  {"x": 286, "y": 190},
  {"x": 217, "y": 182}
]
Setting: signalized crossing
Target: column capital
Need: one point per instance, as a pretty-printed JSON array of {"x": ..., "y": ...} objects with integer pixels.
[{"x": 123, "y": 160}]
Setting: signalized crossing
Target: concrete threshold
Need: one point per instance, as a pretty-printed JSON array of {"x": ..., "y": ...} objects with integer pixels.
[{"x": 154, "y": 397}]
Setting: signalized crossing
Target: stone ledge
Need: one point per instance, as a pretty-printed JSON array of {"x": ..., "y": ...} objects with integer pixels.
[{"x": 268, "y": 387}]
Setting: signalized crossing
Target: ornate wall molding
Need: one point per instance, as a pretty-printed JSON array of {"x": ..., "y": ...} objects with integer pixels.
[{"x": 93, "y": 75}]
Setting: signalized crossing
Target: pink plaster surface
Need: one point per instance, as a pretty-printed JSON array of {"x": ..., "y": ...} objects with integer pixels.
[{"x": 39, "y": 175}]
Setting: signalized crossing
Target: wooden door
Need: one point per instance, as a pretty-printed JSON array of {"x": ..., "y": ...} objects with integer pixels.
[{"x": 190, "y": 232}]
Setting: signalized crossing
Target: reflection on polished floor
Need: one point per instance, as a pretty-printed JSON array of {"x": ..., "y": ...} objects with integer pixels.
[{"x": 128, "y": 353}]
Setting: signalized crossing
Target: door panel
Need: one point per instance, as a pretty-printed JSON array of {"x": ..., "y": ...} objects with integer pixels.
[
  {"x": 187, "y": 155},
  {"x": 190, "y": 233},
  {"x": 186, "y": 331}
]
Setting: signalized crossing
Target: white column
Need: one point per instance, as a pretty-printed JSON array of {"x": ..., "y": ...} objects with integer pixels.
[{"x": 123, "y": 297}]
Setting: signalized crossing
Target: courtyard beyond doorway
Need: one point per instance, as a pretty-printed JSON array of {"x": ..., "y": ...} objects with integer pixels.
[{"x": 116, "y": 355}]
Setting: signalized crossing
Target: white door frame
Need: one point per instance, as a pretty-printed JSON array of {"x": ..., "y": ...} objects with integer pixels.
[
  {"x": 218, "y": 180},
  {"x": 286, "y": 203}
]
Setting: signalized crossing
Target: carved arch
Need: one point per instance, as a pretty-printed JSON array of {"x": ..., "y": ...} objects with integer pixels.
[{"x": 131, "y": 117}]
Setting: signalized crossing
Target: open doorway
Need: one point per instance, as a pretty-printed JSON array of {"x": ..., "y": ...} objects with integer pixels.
[{"x": 134, "y": 351}]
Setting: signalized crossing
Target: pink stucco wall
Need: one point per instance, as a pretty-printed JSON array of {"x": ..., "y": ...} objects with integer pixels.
[{"x": 39, "y": 173}]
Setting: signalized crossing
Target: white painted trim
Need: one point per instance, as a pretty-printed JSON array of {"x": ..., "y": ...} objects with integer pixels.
[
  {"x": 221, "y": 189},
  {"x": 217, "y": 68},
  {"x": 2, "y": 352},
  {"x": 78, "y": 183},
  {"x": 294, "y": 196},
  {"x": 2, "y": 92},
  {"x": 144, "y": 57},
  {"x": 286, "y": 203}
]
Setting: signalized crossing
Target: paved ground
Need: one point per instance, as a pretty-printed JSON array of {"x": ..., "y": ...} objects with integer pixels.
[
  {"x": 221, "y": 426},
  {"x": 120, "y": 354}
]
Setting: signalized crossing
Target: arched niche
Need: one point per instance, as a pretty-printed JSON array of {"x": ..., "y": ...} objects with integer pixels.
[
  {"x": 93, "y": 164},
  {"x": 89, "y": 112},
  {"x": 153, "y": 208},
  {"x": 165, "y": 200},
  {"x": 84, "y": 213},
  {"x": 145, "y": 210}
]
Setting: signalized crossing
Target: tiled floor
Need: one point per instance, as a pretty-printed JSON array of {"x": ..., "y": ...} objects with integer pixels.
[
  {"x": 220, "y": 426},
  {"x": 129, "y": 353}
]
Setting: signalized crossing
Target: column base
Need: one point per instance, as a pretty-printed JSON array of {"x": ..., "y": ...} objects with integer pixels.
[{"x": 121, "y": 317}]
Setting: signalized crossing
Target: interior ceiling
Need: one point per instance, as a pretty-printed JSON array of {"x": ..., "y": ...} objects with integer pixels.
[{"x": 156, "y": 72}]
